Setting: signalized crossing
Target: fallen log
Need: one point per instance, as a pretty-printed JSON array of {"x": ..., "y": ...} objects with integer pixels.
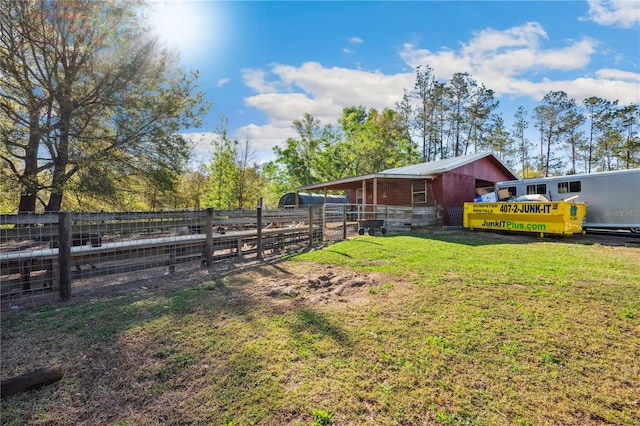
[{"x": 29, "y": 381}]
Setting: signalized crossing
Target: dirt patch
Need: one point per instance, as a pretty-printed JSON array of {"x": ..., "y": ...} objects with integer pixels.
[{"x": 309, "y": 283}]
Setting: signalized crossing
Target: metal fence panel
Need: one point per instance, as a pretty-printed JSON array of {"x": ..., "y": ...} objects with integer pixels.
[
  {"x": 51, "y": 256},
  {"x": 40, "y": 255}
]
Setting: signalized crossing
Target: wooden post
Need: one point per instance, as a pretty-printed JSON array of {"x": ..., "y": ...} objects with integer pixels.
[
  {"x": 344, "y": 222},
  {"x": 310, "y": 226},
  {"x": 64, "y": 254},
  {"x": 172, "y": 259},
  {"x": 375, "y": 193},
  {"x": 239, "y": 244},
  {"x": 25, "y": 275},
  {"x": 259, "y": 229},
  {"x": 209, "y": 244}
]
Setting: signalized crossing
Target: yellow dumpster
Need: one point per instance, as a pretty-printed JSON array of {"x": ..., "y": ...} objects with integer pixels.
[{"x": 539, "y": 217}]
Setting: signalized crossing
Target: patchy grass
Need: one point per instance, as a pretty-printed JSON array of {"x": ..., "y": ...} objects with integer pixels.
[{"x": 463, "y": 329}]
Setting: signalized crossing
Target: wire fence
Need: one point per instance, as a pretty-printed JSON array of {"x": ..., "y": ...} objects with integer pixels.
[{"x": 54, "y": 256}]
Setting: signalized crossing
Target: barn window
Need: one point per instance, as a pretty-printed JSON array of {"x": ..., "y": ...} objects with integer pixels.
[
  {"x": 540, "y": 188},
  {"x": 359, "y": 196},
  {"x": 419, "y": 192}
]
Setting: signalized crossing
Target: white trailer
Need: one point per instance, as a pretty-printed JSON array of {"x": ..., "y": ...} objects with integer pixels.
[{"x": 612, "y": 198}]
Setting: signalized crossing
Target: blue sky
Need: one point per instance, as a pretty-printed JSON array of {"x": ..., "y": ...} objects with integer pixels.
[{"x": 264, "y": 64}]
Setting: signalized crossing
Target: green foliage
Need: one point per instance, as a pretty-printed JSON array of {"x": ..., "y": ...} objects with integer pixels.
[
  {"x": 549, "y": 358},
  {"x": 233, "y": 182},
  {"x": 321, "y": 417},
  {"x": 305, "y": 158},
  {"x": 627, "y": 313},
  {"x": 550, "y": 121},
  {"x": 373, "y": 141},
  {"x": 10, "y": 191},
  {"x": 366, "y": 142},
  {"x": 85, "y": 87},
  {"x": 277, "y": 181}
]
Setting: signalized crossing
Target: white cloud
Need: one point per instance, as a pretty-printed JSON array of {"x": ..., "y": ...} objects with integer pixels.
[
  {"x": 444, "y": 63},
  {"x": 347, "y": 51},
  {"x": 320, "y": 91},
  {"x": 256, "y": 79},
  {"x": 201, "y": 146},
  {"x": 620, "y": 13},
  {"x": 355, "y": 40},
  {"x": 618, "y": 75},
  {"x": 572, "y": 57},
  {"x": 581, "y": 88},
  {"x": 323, "y": 92},
  {"x": 222, "y": 82},
  {"x": 345, "y": 87},
  {"x": 201, "y": 141},
  {"x": 490, "y": 40},
  {"x": 264, "y": 138},
  {"x": 493, "y": 53},
  {"x": 283, "y": 108},
  {"x": 513, "y": 63}
]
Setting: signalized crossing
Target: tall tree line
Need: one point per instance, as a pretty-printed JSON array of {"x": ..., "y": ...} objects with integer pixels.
[
  {"x": 449, "y": 118},
  {"x": 458, "y": 117}
]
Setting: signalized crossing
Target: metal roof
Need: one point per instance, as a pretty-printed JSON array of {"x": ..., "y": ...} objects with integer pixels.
[
  {"x": 437, "y": 167},
  {"x": 428, "y": 170}
]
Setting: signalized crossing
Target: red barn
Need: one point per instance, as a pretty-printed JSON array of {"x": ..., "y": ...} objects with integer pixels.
[{"x": 445, "y": 184}]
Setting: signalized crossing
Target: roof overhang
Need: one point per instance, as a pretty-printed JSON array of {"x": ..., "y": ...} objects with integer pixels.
[{"x": 351, "y": 182}]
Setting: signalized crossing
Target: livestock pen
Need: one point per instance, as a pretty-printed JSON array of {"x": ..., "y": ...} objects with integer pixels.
[{"x": 51, "y": 256}]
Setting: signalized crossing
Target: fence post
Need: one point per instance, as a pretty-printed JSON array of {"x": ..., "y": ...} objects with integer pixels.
[
  {"x": 310, "y": 226},
  {"x": 209, "y": 231},
  {"x": 344, "y": 222},
  {"x": 259, "y": 229},
  {"x": 64, "y": 254},
  {"x": 25, "y": 275},
  {"x": 173, "y": 258}
]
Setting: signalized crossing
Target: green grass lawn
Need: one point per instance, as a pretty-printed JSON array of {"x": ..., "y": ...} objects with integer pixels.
[{"x": 460, "y": 328}]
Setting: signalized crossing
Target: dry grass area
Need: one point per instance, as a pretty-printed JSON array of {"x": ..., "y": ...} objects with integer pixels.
[{"x": 451, "y": 329}]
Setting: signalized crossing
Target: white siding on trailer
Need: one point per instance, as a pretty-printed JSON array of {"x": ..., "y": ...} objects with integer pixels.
[{"x": 612, "y": 198}]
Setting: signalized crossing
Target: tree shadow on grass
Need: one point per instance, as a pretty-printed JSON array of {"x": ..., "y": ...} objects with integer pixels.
[
  {"x": 158, "y": 342},
  {"x": 479, "y": 237},
  {"x": 317, "y": 323},
  {"x": 475, "y": 238}
]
